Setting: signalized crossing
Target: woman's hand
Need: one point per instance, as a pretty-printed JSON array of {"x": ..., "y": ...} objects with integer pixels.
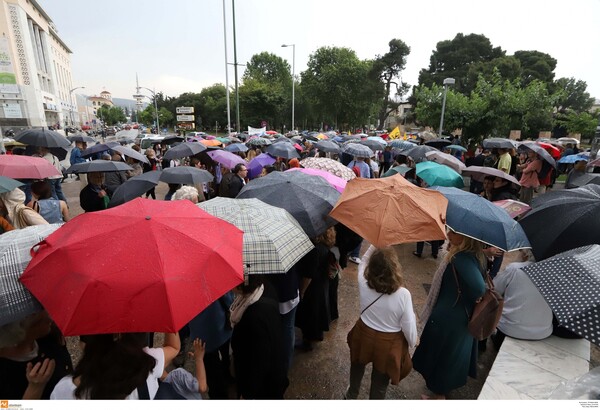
[
  {"x": 199, "y": 349},
  {"x": 38, "y": 377},
  {"x": 102, "y": 193}
]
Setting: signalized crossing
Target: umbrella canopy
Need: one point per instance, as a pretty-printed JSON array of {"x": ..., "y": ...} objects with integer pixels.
[
  {"x": 446, "y": 159},
  {"x": 258, "y": 142},
  {"x": 142, "y": 289},
  {"x": 479, "y": 174},
  {"x": 308, "y": 198},
  {"x": 227, "y": 159},
  {"x": 456, "y": 147},
  {"x": 273, "y": 240},
  {"x": 514, "y": 208},
  {"x": 172, "y": 139},
  {"x": 238, "y": 147},
  {"x": 257, "y": 163},
  {"x": 98, "y": 165},
  {"x": 374, "y": 145},
  {"x": 8, "y": 184},
  {"x": 42, "y": 138},
  {"x": 16, "y": 302},
  {"x": 568, "y": 140},
  {"x": 538, "y": 149},
  {"x": 438, "y": 143},
  {"x": 335, "y": 181},
  {"x": 403, "y": 212},
  {"x": 186, "y": 175},
  {"x": 328, "y": 146},
  {"x": 585, "y": 179},
  {"x": 401, "y": 144},
  {"x": 439, "y": 175},
  {"x": 80, "y": 138},
  {"x": 185, "y": 149},
  {"x": 283, "y": 150},
  {"x": 417, "y": 152},
  {"x": 551, "y": 149},
  {"x": 398, "y": 169},
  {"x": 211, "y": 143},
  {"x": 333, "y": 167},
  {"x": 378, "y": 139},
  {"x": 134, "y": 187},
  {"x": 570, "y": 284},
  {"x": 427, "y": 135},
  {"x": 358, "y": 150},
  {"x": 571, "y": 159},
  {"x": 23, "y": 167},
  {"x": 129, "y": 152},
  {"x": 498, "y": 143},
  {"x": 478, "y": 218},
  {"x": 562, "y": 220},
  {"x": 94, "y": 149}
]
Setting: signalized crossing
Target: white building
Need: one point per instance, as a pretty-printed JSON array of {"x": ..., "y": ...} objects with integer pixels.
[{"x": 35, "y": 69}]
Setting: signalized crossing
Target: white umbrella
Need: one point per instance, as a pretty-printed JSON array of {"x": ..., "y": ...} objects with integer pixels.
[{"x": 446, "y": 159}]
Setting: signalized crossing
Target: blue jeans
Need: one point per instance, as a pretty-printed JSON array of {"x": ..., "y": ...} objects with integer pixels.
[
  {"x": 356, "y": 251},
  {"x": 288, "y": 322}
]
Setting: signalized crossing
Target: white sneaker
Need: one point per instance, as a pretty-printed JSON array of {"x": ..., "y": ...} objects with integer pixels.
[{"x": 354, "y": 259}]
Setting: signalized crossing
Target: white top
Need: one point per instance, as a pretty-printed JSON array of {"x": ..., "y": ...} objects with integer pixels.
[
  {"x": 65, "y": 388},
  {"x": 391, "y": 313},
  {"x": 525, "y": 315}
]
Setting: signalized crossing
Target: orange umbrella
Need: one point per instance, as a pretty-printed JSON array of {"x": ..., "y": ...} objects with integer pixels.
[
  {"x": 389, "y": 211},
  {"x": 211, "y": 143}
]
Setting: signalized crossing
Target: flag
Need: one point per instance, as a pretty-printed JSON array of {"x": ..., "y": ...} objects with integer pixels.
[
  {"x": 405, "y": 136},
  {"x": 394, "y": 134}
]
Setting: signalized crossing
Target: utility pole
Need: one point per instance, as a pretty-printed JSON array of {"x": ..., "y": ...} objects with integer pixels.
[{"x": 235, "y": 64}]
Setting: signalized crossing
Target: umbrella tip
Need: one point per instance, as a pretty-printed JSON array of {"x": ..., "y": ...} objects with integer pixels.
[{"x": 148, "y": 218}]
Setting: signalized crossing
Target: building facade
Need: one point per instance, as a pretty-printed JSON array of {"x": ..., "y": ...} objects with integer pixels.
[{"x": 35, "y": 69}]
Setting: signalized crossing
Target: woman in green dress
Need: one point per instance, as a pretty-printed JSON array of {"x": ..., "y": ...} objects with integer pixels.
[{"x": 447, "y": 352}]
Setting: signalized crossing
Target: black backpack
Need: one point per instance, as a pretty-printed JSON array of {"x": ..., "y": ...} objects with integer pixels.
[{"x": 546, "y": 168}]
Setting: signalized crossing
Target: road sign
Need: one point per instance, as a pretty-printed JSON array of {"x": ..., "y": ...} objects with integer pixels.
[
  {"x": 185, "y": 118},
  {"x": 184, "y": 110}
]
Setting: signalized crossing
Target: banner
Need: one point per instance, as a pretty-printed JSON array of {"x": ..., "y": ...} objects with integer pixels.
[
  {"x": 394, "y": 134},
  {"x": 257, "y": 131},
  {"x": 8, "y": 80}
]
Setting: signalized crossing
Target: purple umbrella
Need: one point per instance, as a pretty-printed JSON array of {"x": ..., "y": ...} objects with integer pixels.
[
  {"x": 335, "y": 181},
  {"x": 256, "y": 165},
  {"x": 226, "y": 158}
]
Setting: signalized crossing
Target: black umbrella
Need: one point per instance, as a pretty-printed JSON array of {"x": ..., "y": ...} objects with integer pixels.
[
  {"x": 134, "y": 187},
  {"x": 81, "y": 138},
  {"x": 358, "y": 150},
  {"x": 129, "y": 152},
  {"x": 186, "y": 176},
  {"x": 88, "y": 152},
  {"x": 98, "y": 165},
  {"x": 185, "y": 149},
  {"x": 172, "y": 139},
  {"x": 438, "y": 143},
  {"x": 498, "y": 143},
  {"x": 417, "y": 153},
  {"x": 563, "y": 219},
  {"x": 585, "y": 179},
  {"x": 541, "y": 151},
  {"x": 570, "y": 283},
  {"x": 58, "y": 152},
  {"x": 374, "y": 145},
  {"x": 42, "y": 138},
  {"x": 328, "y": 146},
  {"x": 308, "y": 198},
  {"x": 283, "y": 150}
]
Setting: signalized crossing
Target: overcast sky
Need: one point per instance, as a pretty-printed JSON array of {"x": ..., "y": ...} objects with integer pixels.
[{"x": 178, "y": 46}]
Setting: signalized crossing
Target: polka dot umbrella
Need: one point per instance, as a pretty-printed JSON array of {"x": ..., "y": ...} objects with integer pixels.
[{"x": 570, "y": 284}]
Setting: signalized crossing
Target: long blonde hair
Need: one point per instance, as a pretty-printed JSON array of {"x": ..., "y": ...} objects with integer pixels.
[{"x": 468, "y": 245}]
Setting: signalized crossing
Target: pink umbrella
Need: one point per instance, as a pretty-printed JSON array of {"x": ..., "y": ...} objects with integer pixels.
[
  {"x": 335, "y": 181},
  {"x": 209, "y": 137},
  {"x": 298, "y": 147}
]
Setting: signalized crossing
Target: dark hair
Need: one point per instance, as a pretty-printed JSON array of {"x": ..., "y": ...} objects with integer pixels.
[
  {"x": 194, "y": 161},
  {"x": 269, "y": 168},
  {"x": 42, "y": 189},
  {"x": 489, "y": 178},
  {"x": 113, "y": 366},
  {"x": 251, "y": 284},
  {"x": 238, "y": 168},
  {"x": 384, "y": 272}
]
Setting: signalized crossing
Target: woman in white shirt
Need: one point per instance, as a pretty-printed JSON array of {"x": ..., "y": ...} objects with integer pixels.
[{"x": 386, "y": 328}]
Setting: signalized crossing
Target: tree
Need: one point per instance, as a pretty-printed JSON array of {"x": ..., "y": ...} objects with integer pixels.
[
  {"x": 508, "y": 66},
  {"x": 571, "y": 94},
  {"x": 387, "y": 69},
  {"x": 212, "y": 107},
  {"x": 536, "y": 66},
  {"x": 111, "y": 115},
  {"x": 268, "y": 68},
  {"x": 583, "y": 123}
]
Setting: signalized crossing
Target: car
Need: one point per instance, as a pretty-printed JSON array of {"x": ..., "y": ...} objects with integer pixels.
[{"x": 149, "y": 140}]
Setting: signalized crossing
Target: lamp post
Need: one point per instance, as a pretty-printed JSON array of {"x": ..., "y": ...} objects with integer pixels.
[
  {"x": 293, "y": 79},
  {"x": 155, "y": 104},
  {"x": 447, "y": 82},
  {"x": 71, "y": 98}
]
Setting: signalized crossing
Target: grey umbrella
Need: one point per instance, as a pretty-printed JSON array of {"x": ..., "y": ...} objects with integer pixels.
[
  {"x": 129, "y": 152},
  {"x": 417, "y": 152},
  {"x": 98, "y": 165},
  {"x": 185, "y": 149},
  {"x": 134, "y": 187},
  {"x": 358, "y": 150},
  {"x": 80, "y": 138},
  {"x": 585, "y": 179},
  {"x": 374, "y": 145},
  {"x": 308, "y": 198},
  {"x": 498, "y": 143},
  {"x": 328, "y": 146},
  {"x": 541, "y": 151},
  {"x": 186, "y": 176},
  {"x": 88, "y": 152},
  {"x": 283, "y": 150},
  {"x": 42, "y": 138}
]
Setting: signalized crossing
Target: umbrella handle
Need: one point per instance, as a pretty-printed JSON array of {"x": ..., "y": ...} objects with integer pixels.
[{"x": 35, "y": 248}]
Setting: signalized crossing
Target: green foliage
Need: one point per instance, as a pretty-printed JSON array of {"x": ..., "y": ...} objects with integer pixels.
[
  {"x": 111, "y": 115},
  {"x": 582, "y": 123},
  {"x": 536, "y": 66},
  {"x": 571, "y": 94}
]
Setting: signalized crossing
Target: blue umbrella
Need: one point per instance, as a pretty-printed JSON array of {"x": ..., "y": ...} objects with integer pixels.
[
  {"x": 571, "y": 159},
  {"x": 473, "y": 216},
  {"x": 239, "y": 147},
  {"x": 8, "y": 184},
  {"x": 439, "y": 175},
  {"x": 456, "y": 147}
]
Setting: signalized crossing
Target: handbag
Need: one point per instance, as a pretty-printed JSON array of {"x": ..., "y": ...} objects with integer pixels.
[{"x": 487, "y": 311}]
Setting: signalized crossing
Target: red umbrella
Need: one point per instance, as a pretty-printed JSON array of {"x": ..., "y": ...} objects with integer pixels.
[
  {"x": 24, "y": 167},
  {"x": 552, "y": 150},
  {"x": 144, "y": 266}
]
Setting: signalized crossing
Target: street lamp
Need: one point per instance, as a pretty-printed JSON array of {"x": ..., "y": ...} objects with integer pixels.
[
  {"x": 293, "y": 76},
  {"x": 138, "y": 95},
  {"x": 447, "y": 82},
  {"x": 71, "y": 98}
]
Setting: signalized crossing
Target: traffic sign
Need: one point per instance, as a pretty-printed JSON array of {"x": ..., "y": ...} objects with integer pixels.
[
  {"x": 184, "y": 110},
  {"x": 185, "y": 118}
]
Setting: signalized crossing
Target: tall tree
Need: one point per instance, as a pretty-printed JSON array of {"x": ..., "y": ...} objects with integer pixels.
[
  {"x": 536, "y": 66},
  {"x": 387, "y": 69},
  {"x": 509, "y": 68},
  {"x": 571, "y": 94}
]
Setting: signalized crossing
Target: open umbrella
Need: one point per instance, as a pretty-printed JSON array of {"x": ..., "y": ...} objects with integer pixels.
[
  {"x": 227, "y": 159},
  {"x": 238, "y": 147},
  {"x": 438, "y": 143},
  {"x": 145, "y": 266},
  {"x": 398, "y": 169},
  {"x": 186, "y": 175},
  {"x": 417, "y": 152},
  {"x": 129, "y": 152},
  {"x": 505, "y": 143},
  {"x": 374, "y": 145},
  {"x": 358, "y": 150},
  {"x": 551, "y": 149},
  {"x": 439, "y": 175},
  {"x": 42, "y": 138},
  {"x": 456, "y": 148},
  {"x": 98, "y": 165},
  {"x": 185, "y": 149},
  {"x": 8, "y": 184},
  {"x": 388, "y": 211},
  {"x": 479, "y": 174},
  {"x": 23, "y": 167},
  {"x": 273, "y": 240},
  {"x": 134, "y": 187},
  {"x": 58, "y": 152},
  {"x": 570, "y": 284},
  {"x": 170, "y": 140},
  {"x": 257, "y": 163},
  {"x": 16, "y": 302},
  {"x": 446, "y": 159},
  {"x": 211, "y": 143},
  {"x": 427, "y": 135},
  {"x": 283, "y": 150},
  {"x": 585, "y": 179},
  {"x": 308, "y": 198},
  {"x": 571, "y": 159},
  {"x": 478, "y": 218},
  {"x": 335, "y": 181},
  {"x": 514, "y": 208},
  {"x": 94, "y": 149},
  {"x": 80, "y": 138},
  {"x": 563, "y": 219},
  {"x": 334, "y": 167},
  {"x": 538, "y": 149},
  {"x": 328, "y": 146},
  {"x": 258, "y": 142},
  {"x": 401, "y": 144}
]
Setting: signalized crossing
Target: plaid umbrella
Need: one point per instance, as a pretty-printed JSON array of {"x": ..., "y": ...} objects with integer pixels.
[
  {"x": 358, "y": 150},
  {"x": 16, "y": 302},
  {"x": 273, "y": 239},
  {"x": 570, "y": 283},
  {"x": 334, "y": 167}
]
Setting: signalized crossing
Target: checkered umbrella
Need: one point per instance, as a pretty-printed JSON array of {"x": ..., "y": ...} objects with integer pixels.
[
  {"x": 358, "y": 150},
  {"x": 16, "y": 302},
  {"x": 273, "y": 239},
  {"x": 334, "y": 167}
]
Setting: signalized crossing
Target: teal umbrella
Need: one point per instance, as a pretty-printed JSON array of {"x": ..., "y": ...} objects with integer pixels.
[
  {"x": 439, "y": 175},
  {"x": 8, "y": 184},
  {"x": 456, "y": 147},
  {"x": 399, "y": 169}
]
